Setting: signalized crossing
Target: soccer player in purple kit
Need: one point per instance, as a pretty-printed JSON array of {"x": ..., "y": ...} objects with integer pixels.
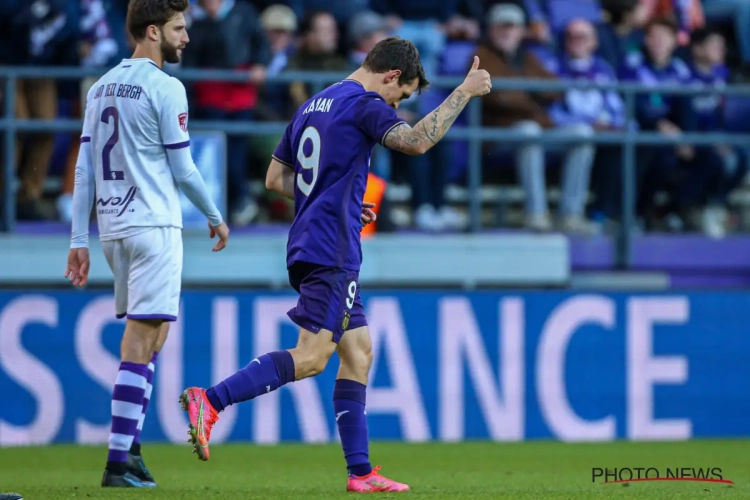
[{"x": 322, "y": 164}]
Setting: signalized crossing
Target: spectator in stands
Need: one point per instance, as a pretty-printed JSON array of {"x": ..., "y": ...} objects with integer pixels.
[
  {"x": 96, "y": 48},
  {"x": 622, "y": 33},
  {"x": 737, "y": 11},
  {"x": 297, "y": 6},
  {"x": 228, "y": 34},
  {"x": 280, "y": 25},
  {"x": 715, "y": 170},
  {"x": 422, "y": 22},
  {"x": 46, "y": 35},
  {"x": 549, "y": 18},
  {"x": 600, "y": 109},
  {"x": 687, "y": 13},
  {"x": 664, "y": 113},
  {"x": 365, "y": 30},
  {"x": 502, "y": 56},
  {"x": 319, "y": 38}
]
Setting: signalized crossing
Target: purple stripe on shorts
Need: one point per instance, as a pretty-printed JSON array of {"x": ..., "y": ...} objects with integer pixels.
[
  {"x": 177, "y": 145},
  {"x": 165, "y": 317},
  {"x": 128, "y": 394},
  {"x": 85, "y": 139},
  {"x": 126, "y": 426}
]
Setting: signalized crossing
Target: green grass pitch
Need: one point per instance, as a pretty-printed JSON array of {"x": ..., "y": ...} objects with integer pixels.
[{"x": 474, "y": 470}]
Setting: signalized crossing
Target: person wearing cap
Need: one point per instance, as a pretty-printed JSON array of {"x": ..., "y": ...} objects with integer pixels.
[
  {"x": 280, "y": 24},
  {"x": 527, "y": 112}
]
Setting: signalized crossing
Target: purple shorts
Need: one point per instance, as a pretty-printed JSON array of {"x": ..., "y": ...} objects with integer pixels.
[{"x": 328, "y": 299}]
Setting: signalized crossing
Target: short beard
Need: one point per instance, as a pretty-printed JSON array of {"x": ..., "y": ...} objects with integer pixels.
[{"x": 169, "y": 53}]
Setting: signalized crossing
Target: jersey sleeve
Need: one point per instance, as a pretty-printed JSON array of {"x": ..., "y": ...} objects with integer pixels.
[
  {"x": 85, "y": 186},
  {"x": 377, "y": 118},
  {"x": 283, "y": 152},
  {"x": 172, "y": 108}
]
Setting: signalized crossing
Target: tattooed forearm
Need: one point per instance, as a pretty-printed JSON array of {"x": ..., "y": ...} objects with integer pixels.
[
  {"x": 402, "y": 138},
  {"x": 430, "y": 129}
]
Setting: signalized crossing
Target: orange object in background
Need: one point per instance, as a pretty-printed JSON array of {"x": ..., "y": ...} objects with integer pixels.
[{"x": 373, "y": 194}]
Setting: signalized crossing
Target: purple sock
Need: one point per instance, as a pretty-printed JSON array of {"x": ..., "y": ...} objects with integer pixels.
[
  {"x": 127, "y": 408},
  {"x": 349, "y": 404},
  {"x": 136, "y": 448},
  {"x": 264, "y": 374}
]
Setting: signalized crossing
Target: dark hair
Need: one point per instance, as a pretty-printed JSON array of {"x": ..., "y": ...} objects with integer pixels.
[
  {"x": 701, "y": 35},
  {"x": 145, "y": 13},
  {"x": 665, "y": 22},
  {"x": 307, "y": 23},
  {"x": 397, "y": 53}
]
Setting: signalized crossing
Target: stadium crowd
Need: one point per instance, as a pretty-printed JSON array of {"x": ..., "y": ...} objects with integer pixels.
[{"x": 646, "y": 41}]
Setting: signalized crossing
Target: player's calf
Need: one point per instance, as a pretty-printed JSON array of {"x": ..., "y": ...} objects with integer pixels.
[
  {"x": 127, "y": 400},
  {"x": 349, "y": 400},
  {"x": 262, "y": 375}
]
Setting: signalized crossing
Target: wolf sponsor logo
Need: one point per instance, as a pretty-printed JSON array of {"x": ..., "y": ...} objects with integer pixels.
[{"x": 116, "y": 204}]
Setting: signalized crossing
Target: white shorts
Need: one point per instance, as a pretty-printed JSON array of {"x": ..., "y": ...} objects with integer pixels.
[{"x": 148, "y": 273}]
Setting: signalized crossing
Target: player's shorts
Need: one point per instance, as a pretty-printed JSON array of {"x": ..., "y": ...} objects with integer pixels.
[
  {"x": 148, "y": 273},
  {"x": 328, "y": 299}
]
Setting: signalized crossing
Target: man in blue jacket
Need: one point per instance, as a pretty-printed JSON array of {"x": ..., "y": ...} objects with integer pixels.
[
  {"x": 667, "y": 114},
  {"x": 706, "y": 181}
]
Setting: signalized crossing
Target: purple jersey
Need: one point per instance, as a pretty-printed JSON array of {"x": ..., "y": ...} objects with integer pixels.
[{"x": 328, "y": 144}]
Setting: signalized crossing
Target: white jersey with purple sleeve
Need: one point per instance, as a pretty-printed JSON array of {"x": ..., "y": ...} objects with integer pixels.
[{"x": 136, "y": 121}]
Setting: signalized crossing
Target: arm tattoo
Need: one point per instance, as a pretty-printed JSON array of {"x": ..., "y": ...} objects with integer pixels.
[
  {"x": 402, "y": 138},
  {"x": 433, "y": 127}
]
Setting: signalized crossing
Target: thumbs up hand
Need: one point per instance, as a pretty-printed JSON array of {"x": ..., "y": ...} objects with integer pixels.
[{"x": 477, "y": 82}]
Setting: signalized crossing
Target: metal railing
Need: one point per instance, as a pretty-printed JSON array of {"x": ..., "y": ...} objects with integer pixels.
[{"x": 474, "y": 133}]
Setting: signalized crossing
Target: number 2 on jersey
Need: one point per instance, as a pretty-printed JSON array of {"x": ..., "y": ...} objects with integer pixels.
[
  {"x": 107, "y": 172},
  {"x": 308, "y": 162}
]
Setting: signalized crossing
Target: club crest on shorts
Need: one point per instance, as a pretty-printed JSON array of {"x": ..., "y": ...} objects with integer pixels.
[
  {"x": 183, "y": 117},
  {"x": 345, "y": 321}
]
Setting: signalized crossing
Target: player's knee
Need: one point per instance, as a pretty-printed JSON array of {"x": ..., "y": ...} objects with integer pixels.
[
  {"x": 355, "y": 352},
  {"x": 358, "y": 358},
  {"x": 162, "y": 338},
  {"x": 139, "y": 340},
  {"x": 309, "y": 362},
  {"x": 317, "y": 364}
]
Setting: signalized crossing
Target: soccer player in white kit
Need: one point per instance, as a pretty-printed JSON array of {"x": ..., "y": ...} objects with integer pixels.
[{"x": 134, "y": 156}]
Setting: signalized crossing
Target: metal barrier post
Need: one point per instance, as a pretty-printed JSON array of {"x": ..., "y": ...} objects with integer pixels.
[
  {"x": 629, "y": 186},
  {"x": 9, "y": 175},
  {"x": 475, "y": 168}
]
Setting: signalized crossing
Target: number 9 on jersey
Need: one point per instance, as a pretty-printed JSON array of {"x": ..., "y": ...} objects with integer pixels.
[{"x": 308, "y": 162}]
